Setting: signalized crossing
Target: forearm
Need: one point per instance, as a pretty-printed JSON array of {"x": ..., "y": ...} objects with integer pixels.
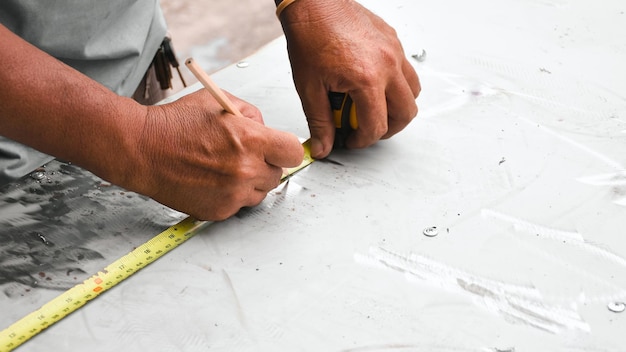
[{"x": 57, "y": 110}]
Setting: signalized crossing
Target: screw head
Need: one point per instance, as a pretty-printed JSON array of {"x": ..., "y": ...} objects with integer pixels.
[
  {"x": 431, "y": 231},
  {"x": 617, "y": 307}
]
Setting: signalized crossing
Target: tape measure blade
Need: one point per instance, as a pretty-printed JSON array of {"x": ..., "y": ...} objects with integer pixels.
[
  {"x": 116, "y": 272},
  {"x": 50, "y": 313},
  {"x": 308, "y": 160}
]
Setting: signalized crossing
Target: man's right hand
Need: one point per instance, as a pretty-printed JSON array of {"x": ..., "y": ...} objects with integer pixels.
[
  {"x": 190, "y": 155},
  {"x": 197, "y": 158}
]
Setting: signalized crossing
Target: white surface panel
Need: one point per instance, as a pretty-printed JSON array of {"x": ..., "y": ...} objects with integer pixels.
[{"x": 517, "y": 157}]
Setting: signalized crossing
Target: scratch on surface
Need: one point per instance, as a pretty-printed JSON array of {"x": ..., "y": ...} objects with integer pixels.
[
  {"x": 605, "y": 159},
  {"x": 411, "y": 347},
  {"x": 529, "y": 227},
  {"x": 610, "y": 179},
  {"x": 386, "y": 347},
  {"x": 616, "y": 180},
  {"x": 240, "y": 315},
  {"x": 87, "y": 326},
  {"x": 517, "y": 303},
  {"x": 570, "y": 238}
]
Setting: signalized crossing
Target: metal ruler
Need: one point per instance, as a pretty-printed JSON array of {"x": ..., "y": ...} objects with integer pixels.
[{"x": 116, "y": 272}]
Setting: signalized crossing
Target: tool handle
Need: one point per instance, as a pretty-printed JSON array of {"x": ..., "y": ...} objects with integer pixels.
[
  {"x": 344, "y": 115},
  {"x": 344, "y": 111}
]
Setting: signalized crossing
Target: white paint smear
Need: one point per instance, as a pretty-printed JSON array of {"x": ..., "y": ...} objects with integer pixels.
[
  {"x": 616, "y": 179},
  {"x": 517, "y": 303},
  {"x": 529, "y": 227},
  {"x": 569, "y": 238},
  {"x": 589, "y": 151},
  {"x": 610, "y": 179}
]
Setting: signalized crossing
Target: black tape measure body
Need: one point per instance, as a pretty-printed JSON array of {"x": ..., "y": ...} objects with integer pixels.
[{"x": 344, "y": 114}]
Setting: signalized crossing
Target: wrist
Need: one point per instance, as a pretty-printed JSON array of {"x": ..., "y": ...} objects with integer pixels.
[
  {"x": 307, "y": 11},
  {"x": 281, "y": 5},
  {"x": 121, "y": 161}
]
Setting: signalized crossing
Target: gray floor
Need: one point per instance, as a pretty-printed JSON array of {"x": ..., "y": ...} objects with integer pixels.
[{"x": 219, "y": 32}]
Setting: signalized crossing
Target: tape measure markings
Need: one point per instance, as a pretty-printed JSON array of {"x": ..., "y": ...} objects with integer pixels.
[
  {"x": 116, "y": 272},
  {"x": 77, "y": 296}
]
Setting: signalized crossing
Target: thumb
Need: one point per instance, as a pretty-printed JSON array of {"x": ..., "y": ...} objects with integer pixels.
[
  {"x": 321, "y": 125},
  {"x": 282, "y": 149}
]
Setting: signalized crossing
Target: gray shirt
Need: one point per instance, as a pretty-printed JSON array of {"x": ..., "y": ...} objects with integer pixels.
[{"x": 111, "y": 41}]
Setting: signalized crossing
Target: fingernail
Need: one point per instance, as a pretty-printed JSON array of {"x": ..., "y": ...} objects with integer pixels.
[{"x": 317, "y": 148}]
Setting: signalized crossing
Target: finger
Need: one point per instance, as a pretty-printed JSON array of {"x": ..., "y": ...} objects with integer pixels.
[
  {"x": 401, "y": 106},
  {"x": 371, "y": 110},
  {"x": 259, "y": 192},
  {"x": 282, "y": 149},
  {"x": 412, "y": 78},
  {"x": 246, "y": 197},
  {"x": 320, "y": 119},
  {"x": 256, "y": 197},
  {"x": 270, "y": 179},
  {"x": 247, "y": 110},
  {"x": 251, "y": 112}
]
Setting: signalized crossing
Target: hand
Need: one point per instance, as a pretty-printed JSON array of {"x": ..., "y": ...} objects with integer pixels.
[
  {"x": 340, "y": 46},
  {"x": 189, "y": 155},
  {"x": 201, "y": 160}
]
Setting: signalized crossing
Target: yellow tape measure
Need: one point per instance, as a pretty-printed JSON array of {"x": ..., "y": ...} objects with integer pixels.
[
  {"x": 116, "y": 272},
  {"x": 344, "y": 116}
]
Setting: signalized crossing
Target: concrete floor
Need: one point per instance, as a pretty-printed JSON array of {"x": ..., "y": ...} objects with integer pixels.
[{"x": 217, "y": 33}]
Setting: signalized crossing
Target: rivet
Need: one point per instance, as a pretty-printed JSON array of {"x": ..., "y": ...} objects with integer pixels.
[
  {"x": 617, "y": 307},
  {"x": 38, "y": 175},
  {"x": 431, "y": 231}
]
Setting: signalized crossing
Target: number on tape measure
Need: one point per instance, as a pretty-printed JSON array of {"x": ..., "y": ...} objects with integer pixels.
[
  {"x": 77, "y": 296},
  {"x": 114, "y": 273}
]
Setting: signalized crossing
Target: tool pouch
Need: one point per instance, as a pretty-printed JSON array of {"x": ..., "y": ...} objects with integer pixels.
[{"x": 163, "y": 62}]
